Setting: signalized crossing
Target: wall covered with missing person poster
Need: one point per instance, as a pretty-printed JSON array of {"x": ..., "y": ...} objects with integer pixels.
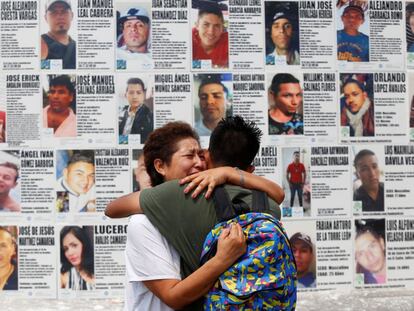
[{"x": 84, "y": 82}]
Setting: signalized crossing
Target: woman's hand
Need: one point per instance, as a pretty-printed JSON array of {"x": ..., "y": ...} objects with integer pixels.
[
  {"x": 231, "y": 244},
  {"x": 207, "y": 179}
]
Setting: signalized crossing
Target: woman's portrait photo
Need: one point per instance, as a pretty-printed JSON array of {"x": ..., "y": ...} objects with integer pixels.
[{"x": 76, "y": 258}]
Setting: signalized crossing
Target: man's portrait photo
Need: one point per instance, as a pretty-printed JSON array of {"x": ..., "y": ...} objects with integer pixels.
[
  {"x": 56, "y": 45},
  {"x": 285, "y": 114},
  {"x": 135, "y": 118},
  {"x": 213, "y": 101},
  {"x": 304, "y": 252},
  {"x": 133, "y": 42},
  {"x": 357, "y": 104},
  {"x": 409, "y": 14},
  {"x": 411, "y": 97},
  {"x": 140, "y": 178},
  {"x": 209, "y": 35},
  {"x": 59, "y": 105},
  {"x": 370, "y": 251},
  {"x": 296, "y": 182},
  {"x": 368, "y": 184},
  {"x": 9, "y": 181},
  {"x": 352, "y": 38},
  {"x": 75, "y": 173},
  {"x": 2, "y": 126},
  {"x": 8, "y": 258},
  {"x": 282, "y": 33}
]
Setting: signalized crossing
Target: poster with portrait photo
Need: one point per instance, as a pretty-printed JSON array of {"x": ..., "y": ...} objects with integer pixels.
[
  {"x": 368, "y": 180},
  {"x": 77, "y": 264},
  {"x": 3, "y": 125},
  {"x": 296, "y": 182},
  {"x": 75, "y": 180},
  {"x": 37, "y": 260},
  {"x": 282, "y": 33},
  {"x": 59, "y": 116},
  {"x": 140, "y": 177},
  {"x": 59, "y": 35},
  {"x": 135, "y": 98},
  {"x": 9, "y": 259},
  {"x": 353, "y": 41},
  {"x": 10, "y": 172},
  {"x": 370, "y": 252},
  {"x": 302, "y": 238},
  {"x": 399, "y": 249},
  {"x": 91, "y": 262},
  {"x": 171, "y": 45},
  {"x": 133, "y": 42},
  {"x": 373, "y": 107},
  {"x": 368, "y": 35},
  {"x": 209, "y": 34},
  {"x": 285, "y": 114},
  {"x": 409, "y": 26},
  {"x": 19, "y": 28},
  {"x": 411, "y": 104},
  {"x": 357, "y": 109},
  {"x": 212, "y": 100},
  {"x": 399, "y": 176},
  {"x": 20, "y": 95},
  {"x": 331, "y": 180},
  {"x": 96, "y": 48}
]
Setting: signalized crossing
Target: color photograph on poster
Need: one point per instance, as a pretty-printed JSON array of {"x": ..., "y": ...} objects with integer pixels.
[
  {"x": 210, "y": 39},
  {"x": 285, "y": 114},
  {"x": 296, "y": 182},
  {"x": 282, "y": 33},
  {"x": 75, "y": 177},
  {"x": 212, "y": 100}
]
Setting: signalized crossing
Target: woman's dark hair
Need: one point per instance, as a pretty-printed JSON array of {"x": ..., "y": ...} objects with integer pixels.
[
  {"x": 87, "y": 250},
  {"x": 162, "y": 144}
]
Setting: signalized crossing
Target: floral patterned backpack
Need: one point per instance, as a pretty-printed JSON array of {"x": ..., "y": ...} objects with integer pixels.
[{"x": 265, "y": 277}]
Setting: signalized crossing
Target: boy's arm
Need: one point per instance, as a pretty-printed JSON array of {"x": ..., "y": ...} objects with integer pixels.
[
  {"x": 124, "y": 206},
  {"x": 221, "y": 175}
]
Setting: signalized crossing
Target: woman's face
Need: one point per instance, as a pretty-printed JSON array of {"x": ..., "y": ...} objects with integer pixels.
[
  {"x": 370, "y": 252},
  {"x": 187, "y": 160},
  {"x": 72, "y": 247},
  {"x": 354, "y": 97}
]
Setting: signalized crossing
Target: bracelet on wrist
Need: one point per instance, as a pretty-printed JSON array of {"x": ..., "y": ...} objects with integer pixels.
[{"x": 241, "y": 176}]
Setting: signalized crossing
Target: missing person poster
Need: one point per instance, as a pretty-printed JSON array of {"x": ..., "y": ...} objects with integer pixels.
[
  {"x": 19, "y": 92},
  {"x": 373, "y": 107},
  {"x": 28, "y": 260},
  {"x": 91, "y": 261},
  {"x": 369, "y": 35},
  {"x": 323, "y": 253},
  {"x": 19, "y": 28},
  {"x": 87, "y": 180}
]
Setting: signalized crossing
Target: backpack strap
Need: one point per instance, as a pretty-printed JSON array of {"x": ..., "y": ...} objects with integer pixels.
[
  {"x": 260, "y": 203},
  {"x": 222, "y": 204},
  {"x": 227, "y": 209}
]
